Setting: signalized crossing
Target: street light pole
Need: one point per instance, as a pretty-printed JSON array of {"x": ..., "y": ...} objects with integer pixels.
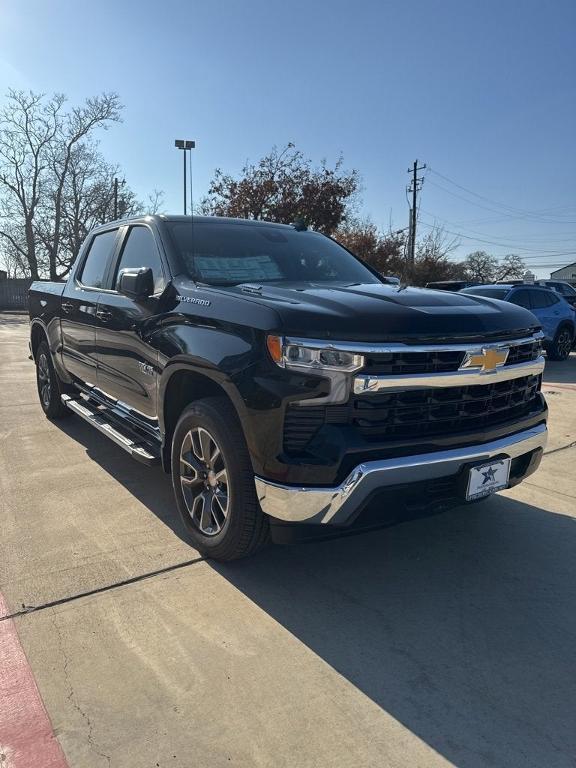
[{"x": 185, "y": 145}]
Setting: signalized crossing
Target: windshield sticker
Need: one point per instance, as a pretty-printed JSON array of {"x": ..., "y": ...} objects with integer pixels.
[{"x": 261, "y": 267}]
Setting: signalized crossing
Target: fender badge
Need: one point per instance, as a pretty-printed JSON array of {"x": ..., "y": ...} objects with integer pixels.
[{"x": 193, "y": 300}]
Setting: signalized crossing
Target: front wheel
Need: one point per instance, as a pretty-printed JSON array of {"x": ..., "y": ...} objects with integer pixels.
[
  {"x": 562, "y": 344},
  {"x": 49, "y": 385},
  {"x": 214, "y": 483}
]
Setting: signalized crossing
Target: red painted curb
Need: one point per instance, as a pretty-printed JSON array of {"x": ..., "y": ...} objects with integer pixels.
[{"x": 26, "y": 736}]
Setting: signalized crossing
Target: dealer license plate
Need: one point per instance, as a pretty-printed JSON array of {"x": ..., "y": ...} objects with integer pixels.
[{"x": 487, "y": 479}]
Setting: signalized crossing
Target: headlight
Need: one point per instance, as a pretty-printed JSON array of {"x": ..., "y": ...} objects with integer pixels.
[{"x": 310, "y": 355}]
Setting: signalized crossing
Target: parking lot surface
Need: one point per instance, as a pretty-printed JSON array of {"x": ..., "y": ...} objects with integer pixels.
[{"x": 443, "y": 641}]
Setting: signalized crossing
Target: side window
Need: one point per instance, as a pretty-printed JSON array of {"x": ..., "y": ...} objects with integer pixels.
[
  {"x": 96, "y": 262},
  {"x": 522, "y": 298},
  {"x": 140, "y": 251},
  {"x": 541, "y": 299}
]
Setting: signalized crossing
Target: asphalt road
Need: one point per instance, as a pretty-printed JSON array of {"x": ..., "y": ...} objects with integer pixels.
[{"x": 443, "y": 641}]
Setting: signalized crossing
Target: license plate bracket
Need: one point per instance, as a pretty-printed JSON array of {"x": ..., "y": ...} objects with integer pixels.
[{"x": 488, "y": 478}]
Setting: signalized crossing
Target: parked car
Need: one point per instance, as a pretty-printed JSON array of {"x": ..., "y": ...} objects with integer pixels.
[
  {"x": 554, "y": 313},
  {"x": 561, "y": 287},
  {"x": 278, "y": 379},
  {"x": 449, "y": 285}
]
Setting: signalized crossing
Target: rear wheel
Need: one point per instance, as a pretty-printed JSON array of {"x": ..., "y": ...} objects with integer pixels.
[
  {"x": 49, "y": 385},
  {"x": 214, "y": 483},
  {"x": 562, "y": 344}
]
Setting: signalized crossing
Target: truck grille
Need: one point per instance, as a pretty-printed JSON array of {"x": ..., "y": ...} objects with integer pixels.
[
  {"x": 406, "y": 362},
  {"x": 415, "y": 413}
]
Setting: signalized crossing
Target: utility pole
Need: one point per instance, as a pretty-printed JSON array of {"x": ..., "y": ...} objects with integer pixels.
[{"x": 415, "y": 186}]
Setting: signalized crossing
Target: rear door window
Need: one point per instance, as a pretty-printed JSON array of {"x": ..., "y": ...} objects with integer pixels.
[
  {"x": 542, "y": 299},
  {"x": 98, "y": 259},
  {"x": 521, "y": 298}
]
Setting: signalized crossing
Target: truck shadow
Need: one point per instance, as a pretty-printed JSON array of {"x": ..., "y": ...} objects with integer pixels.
[
  {"x": 460, "y": 626},
  {"x": 150, "y": 485},
  {"x": 561, "y": 372}
]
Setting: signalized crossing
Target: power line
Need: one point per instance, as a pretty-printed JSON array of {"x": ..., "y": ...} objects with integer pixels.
[
  {"x": 524, "y": 213},
  {"x": 546, "y": 239},
  {"x": 541, "y": 251}
]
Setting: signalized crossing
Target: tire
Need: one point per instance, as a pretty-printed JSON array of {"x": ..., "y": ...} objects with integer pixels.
[
  {"x": 213, "y": 482},
  {"x": 49, "y": 386},
  {"x": 562, "y": 344}
]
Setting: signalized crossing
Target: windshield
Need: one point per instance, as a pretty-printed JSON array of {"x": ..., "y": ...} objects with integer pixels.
[
  {"x": 227, "y": 253},
  {"x": 489, "y": 292}
]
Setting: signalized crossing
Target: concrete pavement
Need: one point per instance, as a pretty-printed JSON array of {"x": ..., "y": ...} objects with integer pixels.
[{"x": 444, "y": 641}]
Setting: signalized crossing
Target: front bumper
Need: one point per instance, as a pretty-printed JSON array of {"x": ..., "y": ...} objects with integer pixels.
[{"x": 340, "y": 504}]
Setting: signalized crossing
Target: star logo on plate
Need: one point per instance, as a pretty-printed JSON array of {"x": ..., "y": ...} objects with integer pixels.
[{"x": 489, "y": 475}]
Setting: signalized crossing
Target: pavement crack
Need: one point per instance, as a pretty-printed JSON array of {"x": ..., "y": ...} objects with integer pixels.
[
  {"x": 27, "y": 609},
  {"x": 561, "y": 448},
  {"x": 74, "y": 701}
]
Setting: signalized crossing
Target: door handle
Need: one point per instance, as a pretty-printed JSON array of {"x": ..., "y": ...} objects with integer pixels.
[
  {"x": 67, "y": 306},
  {"x": 103, "y": 314}
]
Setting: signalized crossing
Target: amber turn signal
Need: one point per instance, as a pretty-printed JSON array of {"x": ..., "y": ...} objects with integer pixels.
[{"x": 274, "y": 344}]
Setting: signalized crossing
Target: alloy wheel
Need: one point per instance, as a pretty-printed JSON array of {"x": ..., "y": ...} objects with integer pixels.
[
  {"x": 204, "y": 481},
  {"x": 564, "y": 343}
]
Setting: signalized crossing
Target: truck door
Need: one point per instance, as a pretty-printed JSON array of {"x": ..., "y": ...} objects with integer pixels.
[
  {"x": 127, "y": 360},
  {"x": 79, "y": 306}
]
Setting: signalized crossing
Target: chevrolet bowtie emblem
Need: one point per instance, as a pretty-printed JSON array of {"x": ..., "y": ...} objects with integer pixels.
[{"x": 486, "y": 360}]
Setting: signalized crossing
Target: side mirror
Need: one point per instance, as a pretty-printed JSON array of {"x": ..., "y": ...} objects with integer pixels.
[{"x": 136, "y": 283}]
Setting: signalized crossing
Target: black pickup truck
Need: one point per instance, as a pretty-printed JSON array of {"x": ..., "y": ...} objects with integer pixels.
[{"x": 279, "y": 379}]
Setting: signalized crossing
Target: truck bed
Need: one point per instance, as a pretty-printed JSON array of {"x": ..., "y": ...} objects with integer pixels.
[{"x": 44, "y": 299}]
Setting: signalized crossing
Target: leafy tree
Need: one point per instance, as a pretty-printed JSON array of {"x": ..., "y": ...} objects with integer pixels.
[
  {"x": 382, "y": 251},
  {"x": 385, "y": 252},
  {"x": 284, "y": 186}
]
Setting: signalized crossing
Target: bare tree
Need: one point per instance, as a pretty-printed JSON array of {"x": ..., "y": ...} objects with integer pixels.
[
  {"x": 481, "y": 267},
  {"x": 54, "y": 183},
  {"x": 512, "y": 267},
  {"x": 155, "y": 202},
  {"x": 85, "y": 200}
]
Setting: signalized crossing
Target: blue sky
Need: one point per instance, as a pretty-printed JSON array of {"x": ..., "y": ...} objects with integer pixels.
[{"x": 484, "y": 92}]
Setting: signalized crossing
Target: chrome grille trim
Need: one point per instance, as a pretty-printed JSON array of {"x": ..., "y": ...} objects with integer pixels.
[{"x": 364, "y": 384}]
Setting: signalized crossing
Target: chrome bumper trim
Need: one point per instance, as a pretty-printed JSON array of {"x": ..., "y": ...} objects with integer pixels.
[
  {"x": 365, "y": 383},
  {"x": 335, "y": 505}
]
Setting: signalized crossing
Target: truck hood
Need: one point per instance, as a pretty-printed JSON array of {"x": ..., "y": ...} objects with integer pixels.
[{"x": 376, "y": 312}]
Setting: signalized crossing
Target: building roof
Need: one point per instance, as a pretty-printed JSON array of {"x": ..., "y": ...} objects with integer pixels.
[{"x": 562, "y": 268}]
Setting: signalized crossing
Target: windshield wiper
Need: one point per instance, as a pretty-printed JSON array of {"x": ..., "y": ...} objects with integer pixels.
[{"x": 219, "y": 282}]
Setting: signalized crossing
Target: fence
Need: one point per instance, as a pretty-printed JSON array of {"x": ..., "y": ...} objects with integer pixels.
[{"x": 14, "y": 293}]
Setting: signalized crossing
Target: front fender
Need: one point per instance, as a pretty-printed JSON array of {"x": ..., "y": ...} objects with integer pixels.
[{"x": 220, "y": 354}]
